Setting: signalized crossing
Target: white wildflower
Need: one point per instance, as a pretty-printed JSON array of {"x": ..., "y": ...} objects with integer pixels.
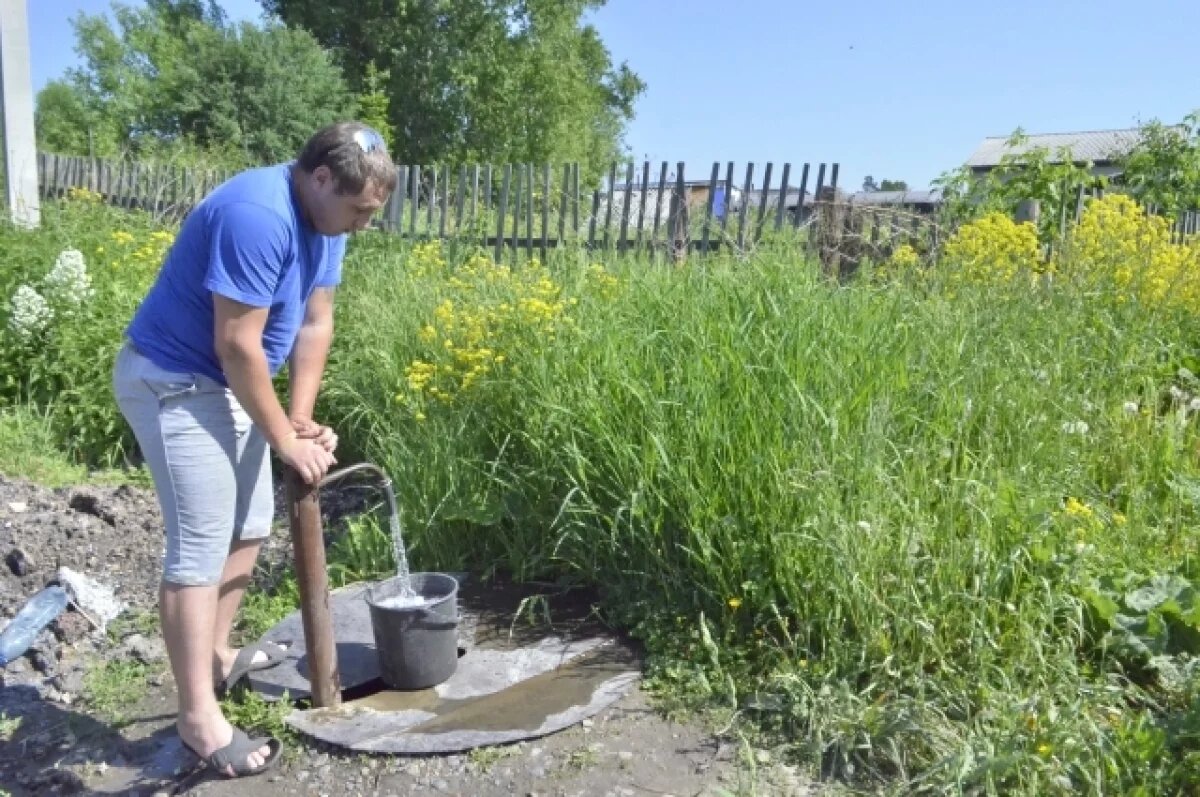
[
  {"x": 29, "y": 313},
  {"x": 864, "y": 526},
  {"x": 1194, "y": 405},
  {"x": 1075, "y": 427},
  {"x": 1131, "y": 407},
  {"x": 68, "y": 282},
  {"x": 1177, "y": 394}
]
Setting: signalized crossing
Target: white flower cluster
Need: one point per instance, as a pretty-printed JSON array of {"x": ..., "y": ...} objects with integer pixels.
[
  {"x": 68, "y": 282},
  {"x": 66, "y": 287},
  {"x": 1186, "y": 403},
  {"x": 29, "y": 313},
  {"x": 1075, "y": 427}
]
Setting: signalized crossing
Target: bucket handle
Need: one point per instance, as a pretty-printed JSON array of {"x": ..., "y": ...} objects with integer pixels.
[
  {"x": 442, "y": 625},
  {"x": 429, "y": 619}
]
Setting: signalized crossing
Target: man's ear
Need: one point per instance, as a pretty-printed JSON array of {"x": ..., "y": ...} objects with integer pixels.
[{"x": 322, "y": 177}]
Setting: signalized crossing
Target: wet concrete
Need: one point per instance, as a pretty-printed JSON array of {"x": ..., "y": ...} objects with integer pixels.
[{"x": 533, "y": 661}]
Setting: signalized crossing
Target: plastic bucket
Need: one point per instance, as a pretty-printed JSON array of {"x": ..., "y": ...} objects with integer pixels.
[{"x": 417, "y": 646}]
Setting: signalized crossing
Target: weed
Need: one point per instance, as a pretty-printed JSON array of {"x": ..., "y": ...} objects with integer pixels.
[
  {"x": 262, "y": 609},
  {"x": 114, "y": 687},
  {"x": 250, "y": 711},
  {"x": 362, "y": 553},
  {"x": 8, "y": 726},
  {"x": 484, "y": 758},
  {"x": 583, "y": 758},
  {"x": 145, "y": 622}
]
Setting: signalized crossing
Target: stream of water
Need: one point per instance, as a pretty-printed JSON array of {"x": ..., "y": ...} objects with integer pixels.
[{"x": 406, "y": 596}]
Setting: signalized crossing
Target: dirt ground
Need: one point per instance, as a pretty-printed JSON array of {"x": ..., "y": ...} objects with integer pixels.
[{"x": 56, "y": 739}]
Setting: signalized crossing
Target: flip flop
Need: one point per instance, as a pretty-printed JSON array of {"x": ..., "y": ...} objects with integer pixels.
[
  {"x": 234, "y": 754},
  {"x": 245, "y": 664}
]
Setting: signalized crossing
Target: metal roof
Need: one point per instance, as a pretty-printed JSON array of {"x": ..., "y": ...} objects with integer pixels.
[
  {"x": 909, "y": 197},
  {"x": 1094, "y": 145},
  {"x": 669, "y": 184}
]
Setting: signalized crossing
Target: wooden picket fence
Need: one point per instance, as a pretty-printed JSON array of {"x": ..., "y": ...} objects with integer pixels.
[
  {"x": 522, "y": 206},
  {"x": 517, "y": 207},
  {"x": 163, "y": 189}
]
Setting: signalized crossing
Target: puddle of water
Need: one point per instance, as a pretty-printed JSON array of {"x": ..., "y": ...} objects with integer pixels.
[{"x": 525, "y": 706}]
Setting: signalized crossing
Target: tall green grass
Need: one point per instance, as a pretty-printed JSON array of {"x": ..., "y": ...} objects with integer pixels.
[
  {"x": 836, "y": 508},
  {"x": 917, "y": 534}
]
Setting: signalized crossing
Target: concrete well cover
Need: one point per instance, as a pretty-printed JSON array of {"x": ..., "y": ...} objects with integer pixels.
[{"x": 532, "y": 662}]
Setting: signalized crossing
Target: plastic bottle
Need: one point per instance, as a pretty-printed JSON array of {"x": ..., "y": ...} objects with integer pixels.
[{"x": 36, "y": 614}]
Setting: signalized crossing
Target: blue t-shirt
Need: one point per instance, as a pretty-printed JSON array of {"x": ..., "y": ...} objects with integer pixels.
[{"x": 246, "y": 241}]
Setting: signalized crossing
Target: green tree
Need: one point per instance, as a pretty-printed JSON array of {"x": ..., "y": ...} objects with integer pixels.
[
  {"x": 500, "y": 80},
  {"x": 62, "y": 120},
  {"x": 373, "y": 102},
  {"x": 266, "y": 88},
  {"x": 1164, "y": 168},
  {"x": 173, "y": 73},
  {"x": 893, "y": 185}
]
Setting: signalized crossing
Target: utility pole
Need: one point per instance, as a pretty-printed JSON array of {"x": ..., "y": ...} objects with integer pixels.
[{"x": 20, "y": 145}]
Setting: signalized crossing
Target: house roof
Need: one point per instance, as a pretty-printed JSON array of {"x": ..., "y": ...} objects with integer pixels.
[
  {"x": 670, "y": 184},
  {"x": 909, "y": 197},
  {"x": 1093, "y": 145}
]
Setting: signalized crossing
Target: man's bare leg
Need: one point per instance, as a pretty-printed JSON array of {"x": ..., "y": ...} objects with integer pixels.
[{"x": 188, "y": 615}]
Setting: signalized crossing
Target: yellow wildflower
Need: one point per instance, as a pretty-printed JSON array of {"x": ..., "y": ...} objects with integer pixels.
[{"x": 1077, "y": 508}]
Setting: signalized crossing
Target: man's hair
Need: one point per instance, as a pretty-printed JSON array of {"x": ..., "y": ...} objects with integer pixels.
[{"x": 353, "y": 152}]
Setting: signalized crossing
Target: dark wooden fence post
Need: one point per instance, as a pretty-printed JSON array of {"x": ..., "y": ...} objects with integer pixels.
[
  {"x": 741, "y": 238},
  {"x": 678, "y": 225},
  {"x": 562, "y": 206},
  {"x": 762, "y": 202},
  {"x": 545, "y": 211},
  {"x": 658, "y": 201},
  {"x": 501, "y": 210},
  {"x": 608, "y": 206},
  {"x": 782, "y": 203},
  {"x": 708, "y": 206},
  {"x": 625, "y": 205},
  {"x": 642, "y": 203}
]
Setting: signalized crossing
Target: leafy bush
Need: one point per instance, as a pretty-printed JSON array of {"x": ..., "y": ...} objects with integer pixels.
[
  {"x": 1118, "y": 247},
  {"x": 1052, "y": 179},
  {"x": 1164, "y": 168},
  {"x": 65, "y": 297},
  {"x": 992, "y": 249}
]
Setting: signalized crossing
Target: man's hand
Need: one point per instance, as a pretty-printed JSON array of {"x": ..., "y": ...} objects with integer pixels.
[
  {"x": 306, "y": 456},
  {"x": 307, "y": 429}
]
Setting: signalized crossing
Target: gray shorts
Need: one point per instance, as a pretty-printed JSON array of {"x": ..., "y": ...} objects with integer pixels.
[{"x": 211, "y": 465}]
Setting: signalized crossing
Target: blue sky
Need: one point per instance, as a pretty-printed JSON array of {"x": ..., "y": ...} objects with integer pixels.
[{"x": 894, "y": 90}]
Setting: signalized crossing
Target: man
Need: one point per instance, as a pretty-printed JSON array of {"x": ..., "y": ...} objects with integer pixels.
[{"x": 247, "y": 285}]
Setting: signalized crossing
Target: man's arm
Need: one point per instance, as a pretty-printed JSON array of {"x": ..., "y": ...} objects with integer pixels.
[
  {"x": 307, "y": 362},
  {"x": 238, "y": 332}
]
